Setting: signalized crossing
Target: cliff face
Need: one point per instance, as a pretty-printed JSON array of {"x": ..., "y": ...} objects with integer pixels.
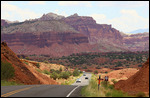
[
  {"x": 139, "y": 82},
  {"x": 78, "y": 33},
  {"x": 41, "y": 37},
  {"x": 137, "y": 42},
  {"x": 95, "y": 32}
]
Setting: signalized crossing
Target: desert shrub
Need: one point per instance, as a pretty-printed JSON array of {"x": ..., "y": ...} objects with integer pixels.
[
  {"x": 26, "y": 63},
  {"x": 54, "y": 75},
  {"x": 111, "y": 86},
  {"x": 37, "y": 65},
  {"x": 76, "y": 72},
  {"x": 57, "y": 71},
  {"x": 52, "y": 70},
  {"x": 98, "y": 67},
  {"x": 140, "y": 65},
  {"x": 65, "y": 75},
  {"x": 84, "y": 67},
  {"x": 140, "y": 94},
  {"x": 95, "y": 72},
  {"x": 60, "y": 69},
  {"x": 46, "y": 72},
  {"x": 27, "y": 58},
  {"x": 46, "y": 62},
  {"x": 7, "y": 71},
  {"x": 114, "y": 81}
]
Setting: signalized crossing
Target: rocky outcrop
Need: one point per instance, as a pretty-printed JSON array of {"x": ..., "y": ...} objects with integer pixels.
[
  {"x": 139, "y": 82},
  {"x": 137, "y": 42},
  {"x": 51, "y": 16},
  {"x": 96, "y": 33},
  {"x": 3, "y": 23},
  {"x": 78, "y": 33},
  {"x": 23, "y": 73}
]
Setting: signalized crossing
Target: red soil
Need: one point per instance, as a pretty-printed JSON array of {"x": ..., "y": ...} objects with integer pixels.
[
  {"x": 23, "y": 73},
  {"x": 139, "y": 82}
]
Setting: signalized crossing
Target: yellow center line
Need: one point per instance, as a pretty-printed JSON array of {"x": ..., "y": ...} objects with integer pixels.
[{"x": 16, "y": 91}]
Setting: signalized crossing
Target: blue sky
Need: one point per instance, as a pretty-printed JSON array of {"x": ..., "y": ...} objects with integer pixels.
[{"x": 125, "y": 16}]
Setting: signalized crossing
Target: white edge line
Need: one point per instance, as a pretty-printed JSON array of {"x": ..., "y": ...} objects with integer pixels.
[{"x": 72, "y": 91}]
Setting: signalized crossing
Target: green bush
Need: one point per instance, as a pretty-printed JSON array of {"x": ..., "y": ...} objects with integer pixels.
[
  {"x": 52, "y": 70},
  {"x": 140, "y": 94},
  {"x": 7, "y": 71},
  {"x": 76, "y": 72},
  {"x": 27, "y": 58},
  {"x": 95, "y": 72},
  {"x": 46, "y": 72},
  {"x": 111, "y": 86},
  {"x": 37, "y": 65},
  {"x": 54, "y": 75},
  {"x": 25, "y": 63},
  {"x": 65, "y": 75}
]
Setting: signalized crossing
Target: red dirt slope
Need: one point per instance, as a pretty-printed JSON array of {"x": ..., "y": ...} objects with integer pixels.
[
  {"x": 139, "y": 82},
  {"x": 23, "y": 73}
]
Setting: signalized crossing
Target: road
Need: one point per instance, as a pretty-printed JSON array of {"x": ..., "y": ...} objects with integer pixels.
[{"x": 45, "y": 90}]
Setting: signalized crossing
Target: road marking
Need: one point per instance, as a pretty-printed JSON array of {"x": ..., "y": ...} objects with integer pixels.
[
  {"x": 16, "y": 91},
  {"x": 72, "y": 91}
]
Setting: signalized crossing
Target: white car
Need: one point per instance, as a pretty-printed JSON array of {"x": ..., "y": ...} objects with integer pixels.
[{"x": 78, "y": 80}]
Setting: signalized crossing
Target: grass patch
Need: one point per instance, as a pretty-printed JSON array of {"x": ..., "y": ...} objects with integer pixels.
[
  {"x": 70, "y": 80},
  {"x": 105, "y": 90},
  {"x": 8, "y": 83},
  {"x": 140, "y": 94},
  {"x": 39, "y": 70}
]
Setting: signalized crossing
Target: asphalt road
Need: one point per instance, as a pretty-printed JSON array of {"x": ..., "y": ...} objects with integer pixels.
[{"x": 45, "y": 90}]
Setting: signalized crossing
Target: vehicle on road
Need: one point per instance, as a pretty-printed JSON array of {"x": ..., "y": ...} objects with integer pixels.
[
  {"x": 86, "y": 78},
  {"x": 78, "y": 80}
]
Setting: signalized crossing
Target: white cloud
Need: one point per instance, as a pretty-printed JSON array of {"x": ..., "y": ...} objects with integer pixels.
[
  {"x": 12, "y": 12},
  {"x": 123, "y": 3},
  {"x": 75, "y": 3},
  {"x": 100, "y": 18},
  {"x": 36, "y": 2},
  {"x": 128, "y": 21}
]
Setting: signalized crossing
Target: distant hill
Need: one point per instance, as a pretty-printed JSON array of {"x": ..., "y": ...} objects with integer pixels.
[
  {"x": 56, "y": 35},
  {"x": 139, "y": 31}
]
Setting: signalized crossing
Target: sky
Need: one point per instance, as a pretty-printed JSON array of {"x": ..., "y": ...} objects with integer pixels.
[{"x": 125, "y": 16}]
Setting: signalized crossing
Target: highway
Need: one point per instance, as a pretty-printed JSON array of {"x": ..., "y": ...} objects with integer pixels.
[{"x": 45, "y": 90}]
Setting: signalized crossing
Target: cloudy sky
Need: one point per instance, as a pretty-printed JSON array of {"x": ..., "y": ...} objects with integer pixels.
[{"x": 125, "y": 16}]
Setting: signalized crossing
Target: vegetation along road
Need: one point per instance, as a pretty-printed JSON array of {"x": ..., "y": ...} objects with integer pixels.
[{"x": 45, "y": 90}]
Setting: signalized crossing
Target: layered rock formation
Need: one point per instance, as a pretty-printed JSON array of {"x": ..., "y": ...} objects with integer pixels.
[
  {"x": 137, "y": 42},
  {"x": 139, "y": 82},
  {"x": 55, "y": 35}
]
